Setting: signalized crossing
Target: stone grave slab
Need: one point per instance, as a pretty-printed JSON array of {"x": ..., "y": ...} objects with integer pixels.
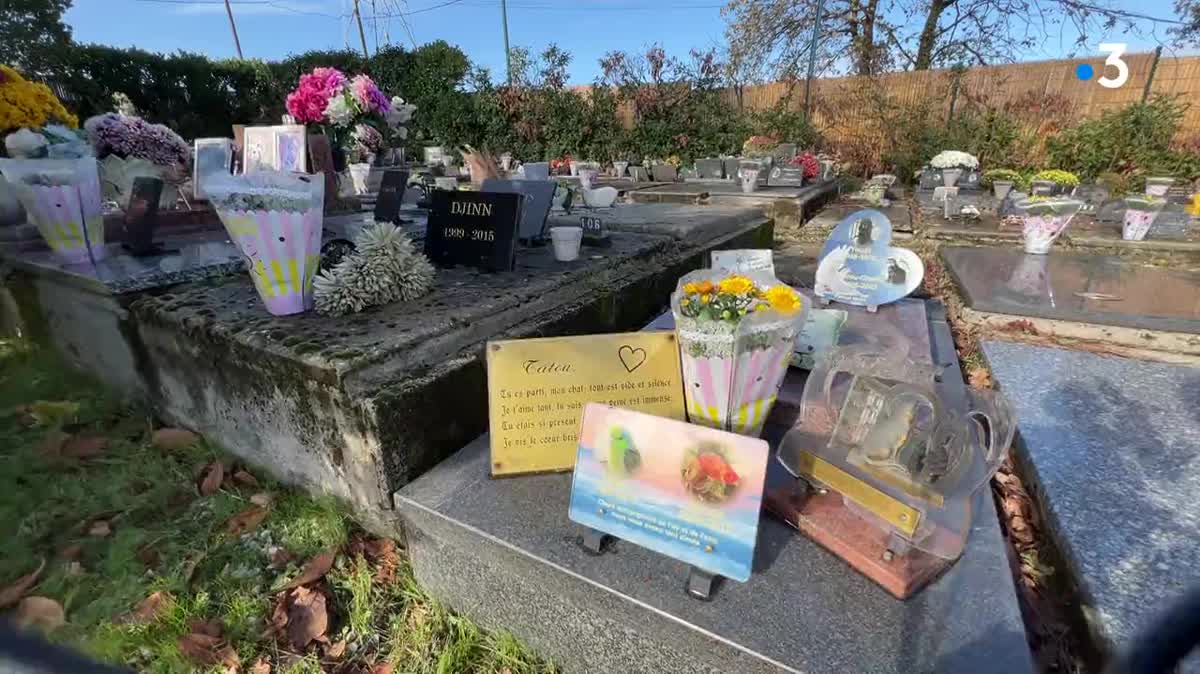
[
  {"x": 1112, "y": 447},
  {"x": 677, "y": 221},
  {"x": 329, "y": 403},
  {"x": 1083, "y": 288},
  {"x": 504, "y": 553},
  {"x": 789, "y": 207}
]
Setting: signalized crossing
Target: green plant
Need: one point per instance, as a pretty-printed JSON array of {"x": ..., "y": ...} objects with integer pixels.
[
  {"x": 1058, "y": 177},
  {"x": 1136, "y": 140},
  {"x": 1008, "y": 175}
]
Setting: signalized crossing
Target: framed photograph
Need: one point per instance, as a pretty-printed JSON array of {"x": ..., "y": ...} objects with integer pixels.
[
  {"x": 290, "y": 148},
  {"x": 258, "y": 149},
  {"x": 212, "y": 156}
]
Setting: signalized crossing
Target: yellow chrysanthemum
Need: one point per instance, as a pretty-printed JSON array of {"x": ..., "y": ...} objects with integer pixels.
[
  {"x": 704, "y": 299},
  {"x": 28, "y": 104},
  {"x": 705, "y": 287},
  {"x": 690, "y": 289},
  {"x": 684, "y": 302},
  {"x": 783, "y": 299},
  {"x": 737, "y": 285},
  {"x": 762, "y": 307}
]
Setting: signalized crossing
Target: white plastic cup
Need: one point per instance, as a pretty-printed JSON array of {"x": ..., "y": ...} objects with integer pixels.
[{"x": 566, "y": 242}]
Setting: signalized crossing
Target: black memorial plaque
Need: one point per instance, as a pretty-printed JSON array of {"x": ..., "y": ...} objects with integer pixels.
[
  {"x": 142, "y": 215},
  {"x": 786, "y": 176},
  {"x": 477, "y": 229},
  {"x": 539, "y": 197},
  {"x": 391, "y": 196}
]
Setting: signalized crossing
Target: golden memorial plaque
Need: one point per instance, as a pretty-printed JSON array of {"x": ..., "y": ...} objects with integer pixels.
[{"x": 537, "y": 389}]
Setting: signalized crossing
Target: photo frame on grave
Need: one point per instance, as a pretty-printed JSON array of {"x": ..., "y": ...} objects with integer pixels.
[
  {"x": 475, "y": 229},
  {"x": 258, "y": 149},
  {"x": 320, "y": 157},
  {"x": 391, "y": 196},
  {"x": 212, "y": 156},
  {"x": 539, "y": 197}
]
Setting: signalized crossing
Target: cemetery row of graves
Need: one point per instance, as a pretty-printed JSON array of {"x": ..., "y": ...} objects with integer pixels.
[{"x": 743, "y": 413}]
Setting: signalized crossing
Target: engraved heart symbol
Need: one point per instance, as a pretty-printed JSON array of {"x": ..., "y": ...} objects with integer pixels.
[{"x": 630, "y": 357}]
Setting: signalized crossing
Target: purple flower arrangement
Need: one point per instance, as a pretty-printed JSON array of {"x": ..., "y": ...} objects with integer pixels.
[
  {"x": 126, "y": 137},
  {"x": 326, "y": 96}
]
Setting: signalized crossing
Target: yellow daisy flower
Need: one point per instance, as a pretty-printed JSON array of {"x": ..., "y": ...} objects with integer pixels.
[
  {"x": 783, "y": 299},
  {"x": 737, "y": 285}
]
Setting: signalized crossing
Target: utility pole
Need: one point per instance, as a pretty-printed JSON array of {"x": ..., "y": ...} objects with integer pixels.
[
  {"x": 236, "y": 42},
  {"x": 812, "y": 59},
  {"x": 507, "y": 54},
  {"x": 361, "y": 35}
]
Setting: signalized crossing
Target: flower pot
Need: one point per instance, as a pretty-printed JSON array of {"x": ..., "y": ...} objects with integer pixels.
[
  {"x": 62, "y": 199},
  {"x": 950, "y": 176},
  {"x": 1140, "y": 213},
  {"x": 566, "y": 241},
  {"x": 282, "y": 242},
  {"x": 1157, "y": 187},
  {"x": 1001, "y": 188},
  {"x": 1043, "y": 188},
  {"x": 1045, "y": 221},
  {"x": 732, "y": 371},
  {"x": 574, "y": 167},
  {"x": 619, "y": 168},
  {"x": 506, "y": 162}
]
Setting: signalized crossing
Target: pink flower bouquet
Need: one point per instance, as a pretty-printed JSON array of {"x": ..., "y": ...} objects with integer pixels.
[{"x": 342, "y": 106}]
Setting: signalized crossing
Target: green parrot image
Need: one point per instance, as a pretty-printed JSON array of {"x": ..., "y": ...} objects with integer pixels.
[{"x": 623, "y": 457}]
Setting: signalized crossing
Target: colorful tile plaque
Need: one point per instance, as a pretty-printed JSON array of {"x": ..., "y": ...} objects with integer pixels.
[
  {"x": 537, "y": 389},
  {"x": 688, "y": 492}
]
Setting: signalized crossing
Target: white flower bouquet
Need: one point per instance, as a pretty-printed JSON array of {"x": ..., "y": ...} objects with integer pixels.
[{"x": 951, "y": 159}]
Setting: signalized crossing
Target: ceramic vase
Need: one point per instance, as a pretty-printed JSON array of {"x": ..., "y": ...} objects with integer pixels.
[
  {"x": 950, "y": 176},
  {"x": 619, "y": 168},
  {"x": 749, "y": 178},
  {"x": 1001, "y": 188},
  {"x": 62, "y": 199},
  {"x": 732, "y": 372}
]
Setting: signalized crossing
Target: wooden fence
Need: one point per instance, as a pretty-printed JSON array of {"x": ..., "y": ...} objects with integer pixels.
[{"x": 843, "y": 107}]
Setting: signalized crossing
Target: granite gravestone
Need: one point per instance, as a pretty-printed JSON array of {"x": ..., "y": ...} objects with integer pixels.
[
  {"x": 391, "y": 196},
  {"x": 538, "y": 197},
  {"x": 969, "y": 179},
  {"x": 730, "y": 166},
  {"x": 710, "y": 169},
  {"x": 1092, "y": 196},
  {"x": 663, "y": 173},
  {"x": 477, "y": 229},
  {"x": 320, "y": 158},
  {"x": 930, "y": 178},
  {"x": 142, "y": 215},
  {"x": 639, "y": 174},
  {"x": 786, "y": 176}
]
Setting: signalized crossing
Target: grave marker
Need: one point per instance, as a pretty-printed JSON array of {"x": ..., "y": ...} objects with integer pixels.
[
  {"x": 786, "y": 176},
  {"x": 391, "y": 196},
  {"x": 476, "y": 229},
  {"x": 538, "y": 197},
  {"x": 537, "y": 389}
]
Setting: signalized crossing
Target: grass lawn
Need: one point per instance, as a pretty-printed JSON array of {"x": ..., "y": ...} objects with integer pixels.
[{"x": 167, "y": 555}]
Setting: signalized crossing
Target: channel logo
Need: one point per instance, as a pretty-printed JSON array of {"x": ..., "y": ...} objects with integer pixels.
[{"x": 1115, "y": 50}]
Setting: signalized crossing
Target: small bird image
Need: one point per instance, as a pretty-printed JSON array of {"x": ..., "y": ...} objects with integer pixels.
[{"x": 623, "y": 457}]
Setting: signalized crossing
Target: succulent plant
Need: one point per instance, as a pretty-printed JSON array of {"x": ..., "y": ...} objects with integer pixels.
[{"x": 385, "y": 268}]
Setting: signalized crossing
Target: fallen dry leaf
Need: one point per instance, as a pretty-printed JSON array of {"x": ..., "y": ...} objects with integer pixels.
[
  {"x": 260, "y": 666},
  {"x": 148, "y": 610},
  {"x": 52, "y": 444},
  {"x": 247, "y": 520},
  {"x": 173, "y": 439},
  {"x": 212, "y": 628},
  {"x": 336, "y": 650},
  {"x": 13, "y": 592},
  {"x": 85, "y": 447},
  {"x": 263, "y": 499},
  {"x": 315, "y": 569},
  {"x": 214, "y": 475},
  {"x": 100, "y": 529},
  {"x": 245, "y": 479},
  {"x": 979, "y": 377},
  {"x": 307, "y": 619},
  {"x": 382, "y": 668},
  {"x": 41, "y": 612},
  {"x": 207, "y": 651}
]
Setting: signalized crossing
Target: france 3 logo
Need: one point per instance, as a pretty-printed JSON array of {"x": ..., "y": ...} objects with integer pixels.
[{"x": 1115, "y": 51}]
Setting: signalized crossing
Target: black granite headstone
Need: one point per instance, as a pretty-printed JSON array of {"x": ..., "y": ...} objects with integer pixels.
[
  {"x": 539, "y": 197},
  {"x": 969, "y": 179},
  {"x": 141, "y": 216},
  {"x": 391, "y": 196},
  {"x": 477, "y": 229},
  {"x": 786, "y": 176},
  {"x": 730, "y": 165}
]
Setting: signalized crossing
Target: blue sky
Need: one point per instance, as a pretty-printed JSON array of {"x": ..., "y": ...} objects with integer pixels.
[{"x": 272, "y": 29}]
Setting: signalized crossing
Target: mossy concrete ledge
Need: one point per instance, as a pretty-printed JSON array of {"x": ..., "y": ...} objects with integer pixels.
[{"x": 359, "y": 405}]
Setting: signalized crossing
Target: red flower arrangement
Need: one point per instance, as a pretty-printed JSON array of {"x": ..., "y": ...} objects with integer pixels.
[{"x": 809, "y": 163}]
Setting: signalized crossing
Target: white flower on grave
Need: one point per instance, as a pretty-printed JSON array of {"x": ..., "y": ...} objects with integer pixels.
[
  {"x": 384, "y": 268},
  {"x": 340, "y": 110},
  {"x": 400, "y": 112},
  {"x": 954, "y": 159}
]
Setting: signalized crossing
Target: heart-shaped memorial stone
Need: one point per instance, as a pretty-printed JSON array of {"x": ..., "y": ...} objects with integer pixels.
[{"x": 860, "y": 266}]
